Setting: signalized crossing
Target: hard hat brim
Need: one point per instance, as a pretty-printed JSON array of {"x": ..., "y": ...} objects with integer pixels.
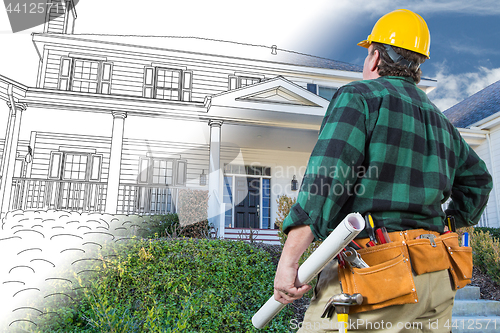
[{"x": 365, "y": 43}]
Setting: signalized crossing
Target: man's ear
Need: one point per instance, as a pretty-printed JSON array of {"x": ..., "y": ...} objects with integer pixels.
[{"x": 374, "y": 60}]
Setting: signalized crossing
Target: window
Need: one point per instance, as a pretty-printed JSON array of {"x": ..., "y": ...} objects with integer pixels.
[
  {"x": 327, "y": 92},
  {"x": 162, "y": 171},
  {"x": 266, "y": 203},
  {"x": 236, "y": 82},
  {"x": 228, "y": 201},
  {"x": 85, "y": 75},
  {"x": 323, "y": 91},
  {"x": 167, "y": 83},
  {"x": 75, "y": 166}
]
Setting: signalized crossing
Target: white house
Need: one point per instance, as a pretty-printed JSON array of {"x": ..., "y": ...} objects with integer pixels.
[
  {"x": 119, "y": 124},
  {"x": 478, "y": 119}
]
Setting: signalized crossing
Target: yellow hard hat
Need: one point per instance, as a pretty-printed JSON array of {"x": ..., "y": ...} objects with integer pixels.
[{"x": 402, "y": 28}]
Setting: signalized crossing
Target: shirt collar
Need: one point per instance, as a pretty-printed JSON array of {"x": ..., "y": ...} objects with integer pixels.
[{"x": 404, "y": 78}]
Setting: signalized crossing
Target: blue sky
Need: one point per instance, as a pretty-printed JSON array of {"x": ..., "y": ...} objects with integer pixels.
[{"x": 465, "y": 56}]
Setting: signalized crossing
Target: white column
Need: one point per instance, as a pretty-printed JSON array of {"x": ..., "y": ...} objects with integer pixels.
[
  {"x": 214, "y": 180},
  {"x": 9, "y": 155},
  {"x": 115, "y": 160}
]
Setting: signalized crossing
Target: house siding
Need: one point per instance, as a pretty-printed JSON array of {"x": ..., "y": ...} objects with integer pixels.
[
  {"x": 22, "y": 148},
  {"x": 135, "y": 149},
  {"x": 46, "y": 143},
  {"x": 490, "y": 153},
  {"x": 209, "y": 78}
]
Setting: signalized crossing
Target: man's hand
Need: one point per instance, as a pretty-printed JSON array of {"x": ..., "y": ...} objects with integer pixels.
[
  {"x": 284, "y": 284},
  {"x": 297, "y": 242}
]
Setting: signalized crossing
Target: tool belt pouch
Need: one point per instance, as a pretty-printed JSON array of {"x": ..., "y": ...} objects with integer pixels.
[
  {"x": 460, "y": 260},
  {"x": 388, "y": 280},
  {"x": 442, "y": 252},
  {"x": 428, "y": 255}
]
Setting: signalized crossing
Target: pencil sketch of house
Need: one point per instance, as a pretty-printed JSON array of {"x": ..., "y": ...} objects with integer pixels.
[{"x": 120, "y": 124}]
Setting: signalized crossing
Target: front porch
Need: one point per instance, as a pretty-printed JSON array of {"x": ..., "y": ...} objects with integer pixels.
[{"x": 133, "y": 199}]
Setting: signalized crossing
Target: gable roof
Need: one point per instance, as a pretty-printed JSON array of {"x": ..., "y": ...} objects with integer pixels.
[
  {"x": 273, "y": 102},
  {"x": 215, "y": 47},
  {"x": 475, "y": 108}
]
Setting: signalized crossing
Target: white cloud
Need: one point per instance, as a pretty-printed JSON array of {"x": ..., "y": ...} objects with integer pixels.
[
  {"x": 479, "y": 7},
  {"x": 453, "y": 88},
  {"x": 476, "y": 51}
]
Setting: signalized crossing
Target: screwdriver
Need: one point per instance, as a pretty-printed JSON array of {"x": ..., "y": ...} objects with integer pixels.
[{"x": 370, "y": 227}]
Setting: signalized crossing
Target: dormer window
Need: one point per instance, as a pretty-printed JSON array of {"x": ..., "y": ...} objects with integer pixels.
[
  {"x": 166, "y": 82},
  {"x": 240, "y": 80},
  {"x": 85, "y": 74}
]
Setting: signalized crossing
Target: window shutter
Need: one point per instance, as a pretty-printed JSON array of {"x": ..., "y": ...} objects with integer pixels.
[
  {"x": 181, "y": 172},
  {"x": 143, "y": 170},
  {"x": 233, "y": 82},
  {"x": 107, "y": 73},
  {"x": 312, "y": 88},
  {"x": 64, "y": 73},
  {"x": 95, "y": 168},
  {"x": 187, "y": 85},
  {"x": 148, "y": 82},
  {"x": 18, "y": 167},
  {"x": 56, "y": 159}
]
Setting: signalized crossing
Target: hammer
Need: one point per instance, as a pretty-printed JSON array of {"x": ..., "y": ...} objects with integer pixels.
[{"x": 341, "y": 303}]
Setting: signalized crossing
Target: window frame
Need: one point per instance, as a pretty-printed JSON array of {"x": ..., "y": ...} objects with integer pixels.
[
  {"x": 175, "y": 169},
  {"x": 67, "y": 74},
  {"x": 235, "y": 81},
  {"x": 150, "y": 83},
  {"x": 60, "y": 165}
]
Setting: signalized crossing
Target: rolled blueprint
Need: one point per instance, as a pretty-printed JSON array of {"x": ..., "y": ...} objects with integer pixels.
[{"x": 339, "y": 238}]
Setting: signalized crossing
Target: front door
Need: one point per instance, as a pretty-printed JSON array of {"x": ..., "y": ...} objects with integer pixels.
[{"x": 246, "y": 212}]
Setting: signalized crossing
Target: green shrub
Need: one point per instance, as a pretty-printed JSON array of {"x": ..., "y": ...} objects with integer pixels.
[
  {"x": 494, "y": 232},
  {"x": 169, "y": 226},
  {"x": 180, "y": 285},
  {"x": 285, "y": 203},
  {"x": 200, "y": 229},
  {"x": 486, "y": 254},
  {"x": 154, "y": 226}
]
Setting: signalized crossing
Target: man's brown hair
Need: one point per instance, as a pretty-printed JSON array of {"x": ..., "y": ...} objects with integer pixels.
[{"x": 387, "y": 67}]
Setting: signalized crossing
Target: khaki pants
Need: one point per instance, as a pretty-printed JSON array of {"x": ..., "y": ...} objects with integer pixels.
[{"x": 432, "y": 313}]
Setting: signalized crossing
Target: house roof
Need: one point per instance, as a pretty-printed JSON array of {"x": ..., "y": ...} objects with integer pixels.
[
  {"x": 219, "y": 48},
  {"x": 475, "y": 108}
]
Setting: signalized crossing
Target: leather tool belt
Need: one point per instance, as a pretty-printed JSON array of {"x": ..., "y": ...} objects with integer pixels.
[{"x": 389, "y": 279}]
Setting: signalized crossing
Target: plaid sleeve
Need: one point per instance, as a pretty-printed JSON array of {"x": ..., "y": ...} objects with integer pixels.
[
  {"x": 471, "y": 189},
  {"x": 332, "y": 168}
]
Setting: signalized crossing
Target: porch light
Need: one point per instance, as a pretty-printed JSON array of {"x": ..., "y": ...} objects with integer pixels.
[
  {"x": 29, "y": 156},
  {"x": 203, "y": 178},
  {"x": 295, "y": 184}
]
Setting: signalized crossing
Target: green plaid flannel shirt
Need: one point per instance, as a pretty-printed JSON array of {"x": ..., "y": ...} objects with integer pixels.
[{"x": 384, "y": 148}]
